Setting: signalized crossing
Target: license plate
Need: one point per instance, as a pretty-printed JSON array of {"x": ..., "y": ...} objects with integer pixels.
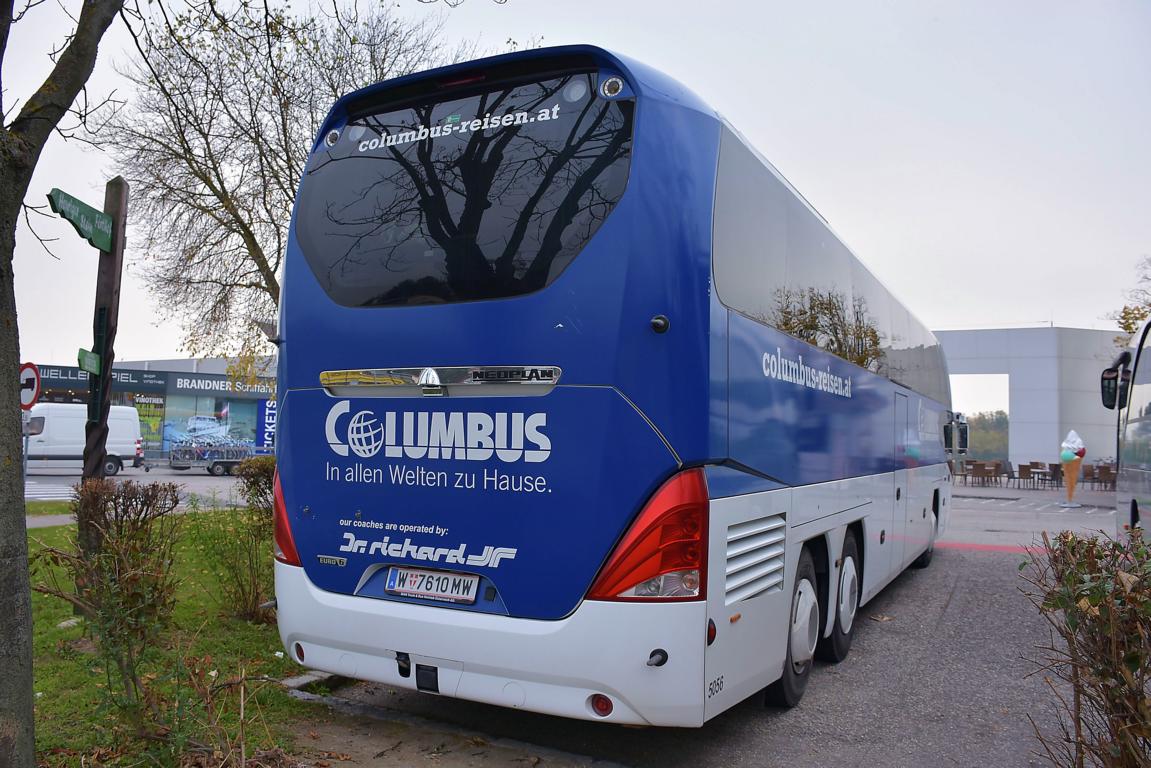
[{"x": 433, "y": 585}]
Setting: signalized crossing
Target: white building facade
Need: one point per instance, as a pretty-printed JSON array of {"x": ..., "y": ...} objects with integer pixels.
[{"x": 1053, "y": 384}]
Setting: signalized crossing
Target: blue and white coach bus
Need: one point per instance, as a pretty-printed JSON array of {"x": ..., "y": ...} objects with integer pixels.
[{"x": 584, "y": 409}]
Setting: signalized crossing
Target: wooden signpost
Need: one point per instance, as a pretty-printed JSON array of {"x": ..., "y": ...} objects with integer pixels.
[{"x": 104, "y": 230}]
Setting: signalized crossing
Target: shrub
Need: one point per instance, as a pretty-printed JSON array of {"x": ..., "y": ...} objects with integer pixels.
[
  {"x": 257, "y": 479},
  {"x": 123, "y": 585},
  {"x": 238, "y": 543},
  {"x": 1096, "y": 594}
]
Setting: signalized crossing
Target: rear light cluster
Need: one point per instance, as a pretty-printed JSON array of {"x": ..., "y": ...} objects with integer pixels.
[
  {"x": 285, "y": 545},
  {"x": 140, "y": 448},
  {"x": 663, "y": 556}
]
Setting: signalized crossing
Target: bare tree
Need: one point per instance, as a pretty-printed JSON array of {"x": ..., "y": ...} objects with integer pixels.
[
  {"x": 24, "y": 131},
  {"x": 1131, "y": 316},
  {"x": 215, "y": 139}
]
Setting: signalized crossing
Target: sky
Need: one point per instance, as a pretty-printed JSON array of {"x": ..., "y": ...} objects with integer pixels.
[{"x": 988, "y": 160}]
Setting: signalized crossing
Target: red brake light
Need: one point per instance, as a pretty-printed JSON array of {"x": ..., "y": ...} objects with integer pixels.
[
  {"x": 663, "y": 556},
  {"x": 285, "y": 545}
]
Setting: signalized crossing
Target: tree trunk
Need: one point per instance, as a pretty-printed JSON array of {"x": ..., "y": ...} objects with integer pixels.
[
  {"x": 21, "y": 142},
  {"x": 17, "y": 747}
]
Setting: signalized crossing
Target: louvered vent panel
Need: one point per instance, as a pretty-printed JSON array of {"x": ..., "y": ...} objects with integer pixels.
[{"x": 755, "y": 551}]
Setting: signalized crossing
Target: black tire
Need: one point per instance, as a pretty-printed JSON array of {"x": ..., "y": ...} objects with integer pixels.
[
  {"x": 112, "y": 466},
  {"x": 789, "y": 688},
  {"x": 846, "y": 605},
  {"x": 924, "y": 559},
  {"x": 217, "y": 469}
]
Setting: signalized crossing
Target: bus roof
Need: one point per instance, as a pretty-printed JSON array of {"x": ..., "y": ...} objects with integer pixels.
[{"x": 643, "y": 80}]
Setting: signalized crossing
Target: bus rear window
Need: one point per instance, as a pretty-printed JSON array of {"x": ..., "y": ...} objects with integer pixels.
[{"x": 476, "y": 197}]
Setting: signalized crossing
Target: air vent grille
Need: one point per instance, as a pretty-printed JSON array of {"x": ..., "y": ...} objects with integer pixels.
[{"x": 755, "y": 550}]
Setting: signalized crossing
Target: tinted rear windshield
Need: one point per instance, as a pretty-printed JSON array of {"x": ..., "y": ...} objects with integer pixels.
[{"x": 473, "y": 197}]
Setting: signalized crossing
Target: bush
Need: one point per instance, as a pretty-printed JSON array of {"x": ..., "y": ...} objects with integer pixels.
[
  {"x": 238, "y": 543},
  {"x": 122, "y": 583},
  {"x": 257, "y": 480},
  {"x": 1096, "y": 594}
]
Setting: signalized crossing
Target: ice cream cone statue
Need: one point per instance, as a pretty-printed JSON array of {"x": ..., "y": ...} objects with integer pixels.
[{"x": 1071, "y": 456}]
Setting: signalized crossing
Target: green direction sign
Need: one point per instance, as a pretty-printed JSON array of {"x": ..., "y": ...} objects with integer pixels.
[
  {"x": 89, "y": 361},
  {"x": 92, "y": 225}
]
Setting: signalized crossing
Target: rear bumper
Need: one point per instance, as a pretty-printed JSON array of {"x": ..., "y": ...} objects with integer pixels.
[{"x": 551, "y": 667}]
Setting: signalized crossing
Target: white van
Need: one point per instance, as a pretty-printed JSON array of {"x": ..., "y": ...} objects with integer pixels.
[{"x": 56, "y": 439}]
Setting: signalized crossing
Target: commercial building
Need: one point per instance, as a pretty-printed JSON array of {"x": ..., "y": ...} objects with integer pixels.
[{"x": 179, "y": 400}]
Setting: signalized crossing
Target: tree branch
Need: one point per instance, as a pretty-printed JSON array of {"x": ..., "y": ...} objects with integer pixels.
[{"x": 44, "y": 110}]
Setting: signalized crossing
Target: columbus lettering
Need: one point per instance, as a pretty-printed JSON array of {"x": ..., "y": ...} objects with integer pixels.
[{"x": 466, "y": 436}]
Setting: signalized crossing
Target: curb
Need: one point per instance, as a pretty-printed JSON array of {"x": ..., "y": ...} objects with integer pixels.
[{"x": 311, "y": 678}]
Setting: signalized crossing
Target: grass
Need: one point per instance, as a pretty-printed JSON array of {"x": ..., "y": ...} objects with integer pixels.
[
  {"x": 41, "y": 508},
  {"x": 73, "y": 720}
]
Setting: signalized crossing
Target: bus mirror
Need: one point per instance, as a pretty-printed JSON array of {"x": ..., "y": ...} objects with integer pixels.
[
  {"x": 947, "y": 445},
  {"x": 1113, "y": 386},
  {"x": 1109, "y": 387},
  {"x": 963, "y": 435}
]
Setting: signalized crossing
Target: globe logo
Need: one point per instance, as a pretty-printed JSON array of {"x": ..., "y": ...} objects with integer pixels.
[{"x": 365, "y": 434}]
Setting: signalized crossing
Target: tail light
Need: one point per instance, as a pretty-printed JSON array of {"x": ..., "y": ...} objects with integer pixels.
[
  {"x": 663, "y": 556},
  {"x": 285, "y": 545},
  {"x": 140, "y": 448}
]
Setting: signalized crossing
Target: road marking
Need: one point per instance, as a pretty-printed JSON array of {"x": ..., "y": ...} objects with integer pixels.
[{"x": 36, "y": 492}]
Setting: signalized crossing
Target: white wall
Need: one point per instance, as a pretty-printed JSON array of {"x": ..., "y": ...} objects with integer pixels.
[{"x": 1053, "y": 384}]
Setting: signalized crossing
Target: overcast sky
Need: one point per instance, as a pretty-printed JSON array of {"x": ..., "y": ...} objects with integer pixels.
[{"x": 988, "y": 160}]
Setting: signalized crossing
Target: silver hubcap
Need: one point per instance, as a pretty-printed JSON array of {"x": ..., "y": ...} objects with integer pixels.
[
  {"x": 804, "y": 625},
  {"x": 848, "y": 594}
]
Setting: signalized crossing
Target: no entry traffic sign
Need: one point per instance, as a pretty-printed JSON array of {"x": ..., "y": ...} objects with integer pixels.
[{"x": 29, "y": 385}]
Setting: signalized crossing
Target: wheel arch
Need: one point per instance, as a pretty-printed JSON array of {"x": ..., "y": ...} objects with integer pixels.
[
  {"x": 856, "y": 529},
  {"x": 824, "y": 568}
]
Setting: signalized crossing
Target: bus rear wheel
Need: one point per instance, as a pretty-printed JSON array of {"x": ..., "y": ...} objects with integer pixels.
[
  {"x": 802, "y": 637},
  {"x": 836, "y": 647}
]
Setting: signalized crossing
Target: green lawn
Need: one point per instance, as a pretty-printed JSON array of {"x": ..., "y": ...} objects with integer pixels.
[
  {"x": 39, "y": 508},
  {"x": 72, "y": 718}
]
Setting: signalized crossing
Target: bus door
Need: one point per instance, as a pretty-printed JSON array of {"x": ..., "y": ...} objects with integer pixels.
[{"x": 901, "y": 530}]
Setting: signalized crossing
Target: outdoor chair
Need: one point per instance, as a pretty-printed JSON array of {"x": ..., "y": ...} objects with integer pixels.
[
  {"x": 1107, "y": 478},
  {"x": 982, "y": 474},
  {"x": 1055, "y": 479},
  {"x": 1009, "y": 474},
  {"x": 1025, "y": 476},
  {"x": 962, "y": 473},
  {"x": 1088, "y": 475}
]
